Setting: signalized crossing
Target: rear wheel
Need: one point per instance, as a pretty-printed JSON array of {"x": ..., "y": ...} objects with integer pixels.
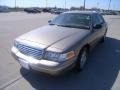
[{"x": 82, "y": 59}]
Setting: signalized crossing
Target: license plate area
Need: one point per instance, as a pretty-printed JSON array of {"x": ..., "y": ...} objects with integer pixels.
[{"x": 24, "y": 64}]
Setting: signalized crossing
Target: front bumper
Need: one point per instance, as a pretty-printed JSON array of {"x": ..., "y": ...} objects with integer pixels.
[{"x": 45, "y": 66}]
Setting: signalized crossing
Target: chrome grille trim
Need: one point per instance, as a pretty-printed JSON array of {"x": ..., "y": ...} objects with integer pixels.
[{"x": 30, "y": 51}]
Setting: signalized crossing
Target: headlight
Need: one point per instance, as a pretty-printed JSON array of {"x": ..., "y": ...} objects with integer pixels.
[
  {"x": 59, "y": 57},
  {"x": 67, "y": 55},
  {"x": 52, "y": 55}
]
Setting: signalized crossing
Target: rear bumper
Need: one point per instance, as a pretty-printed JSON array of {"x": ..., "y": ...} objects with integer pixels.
[{"x": 45, "y": 66}]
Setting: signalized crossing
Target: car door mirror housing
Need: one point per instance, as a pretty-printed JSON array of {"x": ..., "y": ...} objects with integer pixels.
[{"x": 97, "y": 26}]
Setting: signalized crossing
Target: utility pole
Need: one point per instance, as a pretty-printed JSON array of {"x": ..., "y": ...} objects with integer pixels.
[
  {"x": 109, "y": 5},
  {"x": 98, "y": 5},
  {"x": 65, "y": 4},
  {"x": 46, "y": 3},
  {"x": 15, "y": 4},
  {"x": 84, "y": 4}
]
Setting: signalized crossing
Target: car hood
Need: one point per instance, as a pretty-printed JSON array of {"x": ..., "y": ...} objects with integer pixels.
[{"x": 49, "y": 35}]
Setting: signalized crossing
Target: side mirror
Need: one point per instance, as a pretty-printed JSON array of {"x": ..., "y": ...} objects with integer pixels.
[
  {"x": 97, "y": 26},
  {"x": 49, "y": 21}
]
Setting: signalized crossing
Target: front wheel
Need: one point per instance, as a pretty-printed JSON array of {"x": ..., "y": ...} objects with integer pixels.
[{"x": 82, "y": 59}]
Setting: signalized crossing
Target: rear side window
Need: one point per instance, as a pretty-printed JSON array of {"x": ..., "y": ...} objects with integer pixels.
[{"x": 101, "y": 18}]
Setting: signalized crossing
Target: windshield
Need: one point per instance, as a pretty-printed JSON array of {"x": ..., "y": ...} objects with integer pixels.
[{"x": 72, "y": 20}]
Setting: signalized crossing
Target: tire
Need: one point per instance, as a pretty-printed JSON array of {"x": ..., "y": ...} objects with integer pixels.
[
  {"x": 82, "y": 59},
  {"x": 103, "y": 39}
]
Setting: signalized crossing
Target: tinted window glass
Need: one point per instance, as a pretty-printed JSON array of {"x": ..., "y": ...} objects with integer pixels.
[
  {"x": 96, "y": 19},
  {"x": 101, "y": 19},
  {"x": 73, "y": 19}
]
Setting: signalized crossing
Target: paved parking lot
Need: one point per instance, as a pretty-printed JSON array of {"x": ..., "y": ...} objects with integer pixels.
[{"x": 101, "y": 72}]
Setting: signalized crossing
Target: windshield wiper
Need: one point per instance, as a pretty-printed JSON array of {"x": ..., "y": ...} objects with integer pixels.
[
  {"x": 66, "y": 26},
  {"x": 75, "y": 26},
  {"x": 51, "y": 24}
]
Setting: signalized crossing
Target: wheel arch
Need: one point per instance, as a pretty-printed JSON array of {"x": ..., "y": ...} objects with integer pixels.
[{"x": 86, "y": 46}]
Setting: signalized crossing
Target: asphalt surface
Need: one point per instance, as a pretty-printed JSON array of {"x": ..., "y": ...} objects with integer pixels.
[{"x": 102, "y": 71}]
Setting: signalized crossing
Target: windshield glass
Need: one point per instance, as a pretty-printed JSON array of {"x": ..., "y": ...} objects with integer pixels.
[{"x": 72, "y": 20}]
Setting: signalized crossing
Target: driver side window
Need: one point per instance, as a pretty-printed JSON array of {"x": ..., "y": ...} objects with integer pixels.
[{"x": 96, "y": 19}]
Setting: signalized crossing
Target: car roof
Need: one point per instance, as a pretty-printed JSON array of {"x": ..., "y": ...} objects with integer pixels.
[{"x": 82, "y": 12}]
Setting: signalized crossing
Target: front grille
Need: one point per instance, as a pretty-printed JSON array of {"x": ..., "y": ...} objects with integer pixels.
[{"x": 30, "y": 51}]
